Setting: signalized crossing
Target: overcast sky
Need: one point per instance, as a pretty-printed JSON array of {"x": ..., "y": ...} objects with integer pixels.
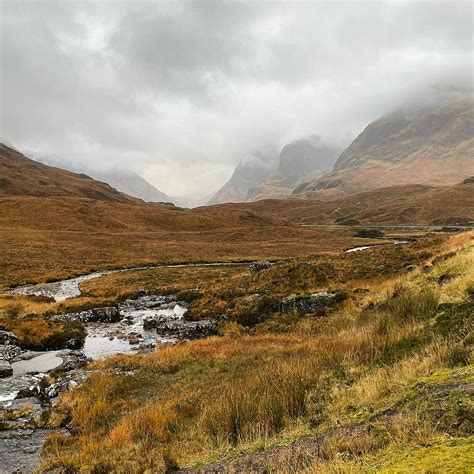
[{"x": 181, "y": 91}]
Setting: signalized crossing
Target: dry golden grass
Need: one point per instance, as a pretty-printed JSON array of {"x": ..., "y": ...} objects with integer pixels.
[
  {"x": 196, "y": 402},
  {"x": 46, "y": 238}
]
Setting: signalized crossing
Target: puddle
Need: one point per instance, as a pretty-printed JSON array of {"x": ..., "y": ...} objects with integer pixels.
[{"x": 41, "y": 363}]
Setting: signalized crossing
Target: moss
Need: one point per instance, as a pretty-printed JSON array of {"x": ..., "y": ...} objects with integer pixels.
[{"x": 450, "y": 456}]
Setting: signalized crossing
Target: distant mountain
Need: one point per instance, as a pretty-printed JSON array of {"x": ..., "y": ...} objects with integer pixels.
[
  {"x": 132, "y": 184},
  {"x": 432, "y": 146},
  {"x": 124, "y": 180},
  {"x": 21, "y": 176},
  {"x": 300, "y": 161},
  {"x": 268, "y": 175},
  {"x": 252, "y": 170}
]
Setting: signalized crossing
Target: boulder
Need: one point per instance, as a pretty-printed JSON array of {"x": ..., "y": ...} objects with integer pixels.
[
  {"x": 108, "y": 314},
  {"x": 6, "y": 370},
  {"x": 309, "y": 303},
  {"x": 259, "y": 266},
  {"x": 8, "y": 338}
]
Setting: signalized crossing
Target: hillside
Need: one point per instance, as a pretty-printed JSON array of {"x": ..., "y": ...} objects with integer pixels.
[
  {"x": 56, "y": 223},
  {"x": 21, "y": 176},
  {"x": 431, "y": 146},
  {"x": 409, "y": 204},
  {"x": 122, "y": 179}
]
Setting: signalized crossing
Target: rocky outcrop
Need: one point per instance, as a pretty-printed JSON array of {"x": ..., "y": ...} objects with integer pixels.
[
  {"x": 7, "y": 337},
  {"x": 309, "y": 303},
  {"x": 9, "y": 348},
  {"x": 179, "y": 328},
  {"x": 259, "y": 266},
  {"x": 96, "y": 315}
]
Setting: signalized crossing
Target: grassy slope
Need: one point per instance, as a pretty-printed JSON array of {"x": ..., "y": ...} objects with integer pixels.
[
  {"x": 214, "y": 291},
  {"x": 377, "y": 384},
  {"x": 410, "y": 204}
]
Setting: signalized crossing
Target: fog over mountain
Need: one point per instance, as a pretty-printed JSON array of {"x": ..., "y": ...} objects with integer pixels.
[{"x": 181, "y": 92}]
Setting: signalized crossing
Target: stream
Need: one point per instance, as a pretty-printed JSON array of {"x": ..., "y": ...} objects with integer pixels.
[
  {"x": 134, "y": 326},
  {"x": 367, "y": 247},
  {"x": 70, "y": 288}
]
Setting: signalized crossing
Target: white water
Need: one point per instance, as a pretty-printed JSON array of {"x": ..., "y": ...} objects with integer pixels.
[{"x": 99, "y": 344}]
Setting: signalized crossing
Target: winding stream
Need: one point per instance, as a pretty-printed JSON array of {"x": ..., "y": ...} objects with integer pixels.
[{"x": 70, "y": 288}]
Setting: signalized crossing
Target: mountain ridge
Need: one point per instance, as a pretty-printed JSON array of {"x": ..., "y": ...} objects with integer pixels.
[{"x": 434, "y": 146}]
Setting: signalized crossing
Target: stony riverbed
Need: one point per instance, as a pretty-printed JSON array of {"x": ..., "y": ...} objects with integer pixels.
[{"x": 32, "y": 380}]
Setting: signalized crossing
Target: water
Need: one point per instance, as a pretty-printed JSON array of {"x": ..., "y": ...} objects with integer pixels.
[
  {"x": 41, "y": 363},
  {"x": 28, "y": 372},
  {"x": 366, "y": 247},
  {"x": 104, "y": 339},
  {"x": 70, "y": 288}
]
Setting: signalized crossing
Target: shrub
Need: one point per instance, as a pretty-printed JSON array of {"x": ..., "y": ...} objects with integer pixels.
[{"x": 369, "y": 234}]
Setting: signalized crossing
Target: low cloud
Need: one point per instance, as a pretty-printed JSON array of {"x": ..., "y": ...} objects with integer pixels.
[{"x": 182, "y": 91}]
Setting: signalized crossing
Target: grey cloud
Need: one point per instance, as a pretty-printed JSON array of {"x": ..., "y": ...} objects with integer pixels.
[{"x": 182, "y": 91}]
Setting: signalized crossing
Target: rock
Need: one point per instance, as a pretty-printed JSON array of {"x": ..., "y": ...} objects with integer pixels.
[
  {"x": 310, "y": 303},
  {"x": 72, "y": 360},
  {"x": 6, "y": 370},
  {"x": 8, "y": 338},
  {"x": 73, "y": 344},
  {"x": 95, "y": 315},
  {"x": 181, "y": 329},
  {"x": 134, "y": 338},
  {"x": 259, "y": 266},
  {"x": 9, "y": 351}
]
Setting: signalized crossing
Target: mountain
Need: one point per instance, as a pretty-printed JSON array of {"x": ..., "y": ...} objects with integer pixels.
[
  {"x": 301, "y": 160},
  {"x": 252, "y": 170},
  {"x": 20, "y": 175},
  {"x": 123, "y": 180},
  {"x": 132, "y": 184},
  {"x": 430, "y": 145},
  {"x": 268, "y": 176}
]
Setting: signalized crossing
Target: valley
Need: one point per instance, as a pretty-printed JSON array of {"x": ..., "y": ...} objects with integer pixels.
[
  {"x": 236, "y": 237},
  {"x": 282, "y": 334}
]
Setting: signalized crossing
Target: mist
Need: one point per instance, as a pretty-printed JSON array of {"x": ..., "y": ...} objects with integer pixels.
[{"x": 181, "y": 92}]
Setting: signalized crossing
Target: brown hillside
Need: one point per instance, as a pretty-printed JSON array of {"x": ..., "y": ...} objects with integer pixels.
[
  {"x": 21, "y": 176},
  {"x": 51, "y": 228},
  {"x": 410, "y": 204}
]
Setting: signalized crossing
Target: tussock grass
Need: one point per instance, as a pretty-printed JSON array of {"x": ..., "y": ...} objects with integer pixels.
[{"x": 360, "y": 380}]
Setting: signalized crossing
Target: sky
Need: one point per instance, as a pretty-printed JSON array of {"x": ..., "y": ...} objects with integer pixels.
[{"x": 181, "y": 91}]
